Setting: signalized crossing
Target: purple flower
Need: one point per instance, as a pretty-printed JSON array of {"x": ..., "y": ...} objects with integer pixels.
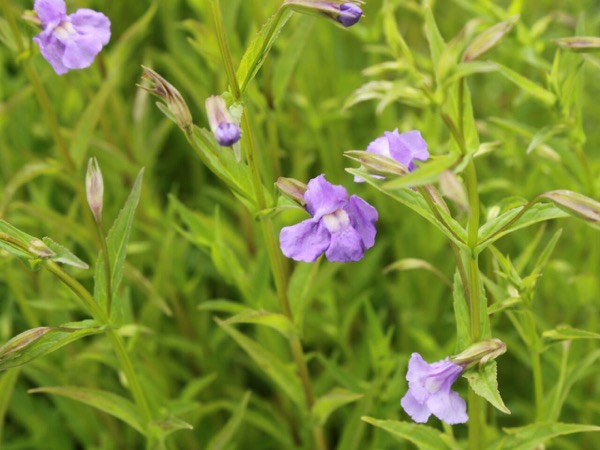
[
  {"x": 226, "y": 131},
  {"x": 349, "y": 14},
  {"x": 401, "y": 147},
  {"x": 346, "y": 13},
  {"x": 70, "y": 42},
  {"x": 341, "y": 227},
  {"x": 429, "y": 391}
]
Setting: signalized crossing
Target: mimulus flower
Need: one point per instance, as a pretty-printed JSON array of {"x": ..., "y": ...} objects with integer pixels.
[
  {"x": 226, "y": 131},
  {"x": 341, "y": 227},
  {"x": 70, "y": 42},
  {"x": 346, "y": 13},
  {"x": 429, "y": 391},
  {"x": 404, "y": 148}
]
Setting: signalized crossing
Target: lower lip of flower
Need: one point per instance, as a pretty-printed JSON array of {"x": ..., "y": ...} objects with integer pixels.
[{"x": 64, "y": 30}]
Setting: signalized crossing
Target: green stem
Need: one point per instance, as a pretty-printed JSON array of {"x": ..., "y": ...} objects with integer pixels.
[
  {"x": 536, "y": 366},
  {"x": 277, "y": 263},
  {"x": 117, "y": 342},
  {"x": 39, "y": 90},
  {"x": 107, "y": 271}
]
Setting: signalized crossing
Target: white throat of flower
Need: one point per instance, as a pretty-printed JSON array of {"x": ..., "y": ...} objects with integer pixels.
[
  {"x": 63, "y": 30},
  {"x": 336, "y": 221}
]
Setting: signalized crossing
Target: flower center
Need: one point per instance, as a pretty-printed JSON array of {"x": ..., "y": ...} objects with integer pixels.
[
  {"x": 336, "y": 221},
  {"x": 64, "y": 30},
  {"x": 433, "y": 384}
]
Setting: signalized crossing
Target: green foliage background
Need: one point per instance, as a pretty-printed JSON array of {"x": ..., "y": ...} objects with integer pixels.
[{"x": 196, "y": 254}]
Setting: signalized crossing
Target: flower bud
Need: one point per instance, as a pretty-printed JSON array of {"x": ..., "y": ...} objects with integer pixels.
[
  {"x": 94, "y": 188},
  {"x": 292, "y": 188},
  {"x": 346, "y": 13},
  {"x": 480, "y": 353},
  {"x": 38, "y": 248},
  {"x": 222, "y": 124},
  {"x": 175, "y": 103}
]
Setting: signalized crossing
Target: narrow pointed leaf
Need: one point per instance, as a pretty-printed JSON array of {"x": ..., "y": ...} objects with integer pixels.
[
  {"x": 105, "y": 401},
  {"x": 532, "y": 436},
  {"x": 580, "y": 44},
  {"x": 528, "y": 86},
  {"x": 116, "y": 241},
  {"x": 424, "y": 437},
  {"x": 270, "y": 364},
  {"x": 37, "y": 342},
  {"x": 334, "y": 399},
  {"x": 278, "y": 322},
  {"x": 489, "y": 38},
  {"x": 566, "y": 333},
  {"x": 484, "y": 381},
  {"x": 225, "y": 435},
  {"x": 576, "y": 204}
]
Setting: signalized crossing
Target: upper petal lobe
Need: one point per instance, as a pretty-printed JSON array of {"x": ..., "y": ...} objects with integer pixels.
[
  {"x": 92, "y": 23},
  {"x": 50, "y": 10},
  {"x": 322, "y": 197}
]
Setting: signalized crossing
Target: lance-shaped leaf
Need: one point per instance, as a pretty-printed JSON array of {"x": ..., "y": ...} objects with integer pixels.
[
  {"x": 528, "y": 86},
  {"x": 580, "y": 44},
  {"x": 424, "y": 437},
  {"x": 222, "y": 439},
  {"x": 576, "y": 205},
  {"x": 488, "y": 39},
  {"x": 105, "y": 401},
  {"x": 334, "y": 399},
  {"x": 566, "y": 333},
  {"x": 484, "y": 381},
  {"x": 260, "y": 46},
  {"x": 163, "y": 427},
  {"x": 282, "y": 375},
  {"x": 278, "y": 322},
  {"x": 532, "y": 436},
  {"x": 116, "y": 241},
  {"x": 37, "y": 342}
]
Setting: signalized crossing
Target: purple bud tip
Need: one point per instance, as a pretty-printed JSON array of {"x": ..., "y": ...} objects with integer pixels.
[
  {"x": 227, "y": 134},
  {"x": 349, "y": 14}
]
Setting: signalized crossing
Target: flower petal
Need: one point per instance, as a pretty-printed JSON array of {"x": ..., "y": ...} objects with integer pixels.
[
  {"x": 80, "y": 51},
  {"x": 448, "y": 406},
  {"x": 50, "y": 10},
  {"x": 346, "y": 246},
  {"x": 418, "y": 370},
  {"x": 380, "y": 146},
  {"x": 419, "y": 412},
  {"x": 92, "y": 23},
  {"x": 305, "y": 241},
  {"x": 52, "y": 50},
  {"x": 398, "y": 148},
  {"x": 322, "y": 197},
  {"x": 417, "y": 145},
  {"x": 362, "y": 218}
]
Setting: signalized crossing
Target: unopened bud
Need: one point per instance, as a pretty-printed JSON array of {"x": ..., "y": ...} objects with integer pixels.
[
  {"x": 38, "y": 248},
  {"x": 160, "y": 87},
  {"x": 292, "y": 188},
  {"x": 480, "y": 353},
  {"x": 346, "y": 13},
  {"x": 94, "y": 188},
  {"x": 221, "y": 122}
]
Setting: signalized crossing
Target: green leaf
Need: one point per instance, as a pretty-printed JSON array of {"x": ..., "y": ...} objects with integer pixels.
[
  {"x": 62, "y": 255},
  {"x": 105, "y": 401},
  {"x": 288, "y": 60},
  {"x": 575, "y": 204},
  {"x": 162, "y": 428},
  {"x": 282, "y": 375},
  {"x": 461, "y": 314},
  {"x": 334, "y": 399},
  {"x": 116, "y": 241},
  {"x": 489, "y": 38},
  {"x": 299, "y": 289},
  {"x": 532, "y": 436},
  {"x": 503, "y": 224},
  {"x": 528, "y": 86},
  {"x": 260, "y": 46},
  {"x": 437, "y": 46},
  {"x": 416, "y": 202},
  {"x": 221, "y": 440},
  {"x": 544, "y": 135},
  {"x": 278, "y": 322},
  {"x": 37, "y": 342},
  {"x": 484, "y": 381},
  {"x": 414, "y": 264},
  {"x": 424, "y": 437},
  {"x": 579, "y": 44},
  {"x": 426, "y": 173},
  {"x": 567, "y": 333}
]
